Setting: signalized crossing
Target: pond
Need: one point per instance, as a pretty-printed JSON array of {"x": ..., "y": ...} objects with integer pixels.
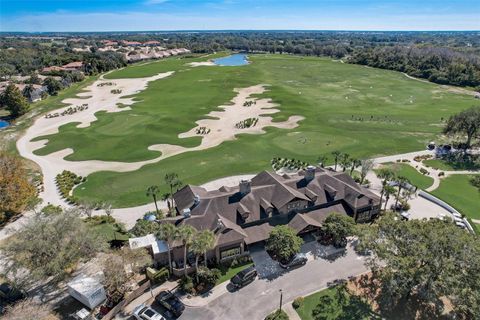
[
  {"x": 237, "y": 59},
  {"x": 3, "y": 124}
]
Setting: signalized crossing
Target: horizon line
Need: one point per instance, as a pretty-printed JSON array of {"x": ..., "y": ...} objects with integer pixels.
[{"x": 249, "y": 30}]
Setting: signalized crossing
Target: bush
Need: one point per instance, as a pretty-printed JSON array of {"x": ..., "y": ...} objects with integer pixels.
[
  {"x": 96, "y": 220},
  {"x": 424, "y": 171},
  {"x": 441, "y": 174},
  {"x": 186, "y": 285},
  {"x": 277, "y": 315},
  {"x": 298, "y": 302},
  {"x": 160, "y": 276},
  {"x": 208, "y": 277},
  {"x": 51, "y": 209}
]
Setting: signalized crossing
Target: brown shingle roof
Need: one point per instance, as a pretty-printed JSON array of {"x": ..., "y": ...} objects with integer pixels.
[{"x": 269, "y": 190}]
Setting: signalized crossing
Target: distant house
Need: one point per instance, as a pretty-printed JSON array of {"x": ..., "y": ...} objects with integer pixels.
[
  {"x": 151, "y": 43},
  {"x": 132, "y": 43},
  {"x": 73, "y": 66},
  {"x": 52, "y": 69},
  {"x": 244, "y": 215},
  {"x": 35, "y": 94}
]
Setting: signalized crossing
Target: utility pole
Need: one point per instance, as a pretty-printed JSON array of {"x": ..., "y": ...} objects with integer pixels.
[{"x": 281, "y": 298}]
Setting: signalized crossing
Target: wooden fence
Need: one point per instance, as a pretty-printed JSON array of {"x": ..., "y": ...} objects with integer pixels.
[{"x": 132, "y": 296}]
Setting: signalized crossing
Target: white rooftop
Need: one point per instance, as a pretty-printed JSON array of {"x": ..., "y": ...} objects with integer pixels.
[{"x": 158, "y": 246}]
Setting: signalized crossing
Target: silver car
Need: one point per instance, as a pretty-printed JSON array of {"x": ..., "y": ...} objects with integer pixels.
[{"x": 143, "y": 312}]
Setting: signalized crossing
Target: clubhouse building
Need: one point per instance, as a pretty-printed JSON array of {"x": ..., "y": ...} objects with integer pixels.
[{"x": 245, "y": 214}]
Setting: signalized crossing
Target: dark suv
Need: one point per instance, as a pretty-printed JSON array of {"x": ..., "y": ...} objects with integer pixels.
[
  {"x": 300, "y": 259},
  {"x": 171, "y": 302},
  {"x": 244, "y": 277}
]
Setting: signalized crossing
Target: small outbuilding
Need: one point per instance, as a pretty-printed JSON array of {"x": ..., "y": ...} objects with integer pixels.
[{"x": 88, "y": 290}]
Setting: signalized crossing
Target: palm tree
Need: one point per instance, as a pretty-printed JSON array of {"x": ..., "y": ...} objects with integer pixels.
[
  {"x": 401, "y": 181},
  {"x": 173, "y": 182},
  {"x": 354, "y": 164},
  {"x": 344, "y": 160},
  {"x": 389, "y": 190},
  {"x": 336, "y": 156},
  {"x": 166, "y": 197},
  {"x": 153, "y": 191},
  {"x": 186, "y": 233},
  {"x": 202, "y": 242},
  {"x": 386, "y": 174},
  {"x": 168, "y": 233},
  {"x": 321, "y": 160}
]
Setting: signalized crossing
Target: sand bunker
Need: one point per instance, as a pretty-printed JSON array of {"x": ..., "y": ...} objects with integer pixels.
[
  {"x": 221, "y": 124},
  {"x": 203, "y": 63},
  {"x": 221, "y": 127}
]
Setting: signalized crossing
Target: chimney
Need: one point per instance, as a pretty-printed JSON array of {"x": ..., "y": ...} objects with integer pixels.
[
  {"x": 310, "y": 173},
  {"x": 196, "y": 200},
  {"x": 245, "y": 187}
]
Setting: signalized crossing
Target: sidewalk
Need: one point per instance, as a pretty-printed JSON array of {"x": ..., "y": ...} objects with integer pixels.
[
  {"x": 290, "y": 311},
  {"x": 206, "y": 298}
]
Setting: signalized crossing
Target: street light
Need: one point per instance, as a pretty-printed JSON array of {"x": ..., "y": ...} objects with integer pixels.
[{"x": 281, "y": 298}]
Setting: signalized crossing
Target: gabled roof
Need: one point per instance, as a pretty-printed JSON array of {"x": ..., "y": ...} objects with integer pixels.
[{"x": 269, "y": 190}]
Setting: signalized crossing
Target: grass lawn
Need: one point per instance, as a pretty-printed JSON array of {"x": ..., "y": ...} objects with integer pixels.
[
  {"x": 109, "y": 230},
  {"x": 450, "y": 166},
  {"x": 362, "y": 111},
  {"x": 416, "y": 178},
  {"x": 311, "y": 301},
  {"x": 457, "y": 191},
  {"x": 228, "y": 273}
]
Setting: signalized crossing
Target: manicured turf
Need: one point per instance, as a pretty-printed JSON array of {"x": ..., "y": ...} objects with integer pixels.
[
  {"x": 228, "y": 273},
  {"x": 361, "y": 111},
  {"x": 457, "y": 191},
  {"x": 449, "y": 166},
  {"x": 416, "y": 178},
  {"x": 311, "y": 301}
]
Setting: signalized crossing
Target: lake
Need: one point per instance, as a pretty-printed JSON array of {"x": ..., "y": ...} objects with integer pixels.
[
  {"x": 238, "y": 59},
  {"x": 3, "y": 124}
]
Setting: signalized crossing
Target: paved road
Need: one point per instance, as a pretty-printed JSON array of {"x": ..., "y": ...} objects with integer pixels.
[{"x": 262, "y": 296}]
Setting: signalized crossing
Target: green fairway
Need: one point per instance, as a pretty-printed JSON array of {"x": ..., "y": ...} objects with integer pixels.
[
  {"x": 457, "y": 191},
  {"x": 416, "y": 178},
  {"x": 362, "y": 111}
]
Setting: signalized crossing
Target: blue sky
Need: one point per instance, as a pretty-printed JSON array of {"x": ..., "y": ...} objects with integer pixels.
[{"x": 137, "y": 15}]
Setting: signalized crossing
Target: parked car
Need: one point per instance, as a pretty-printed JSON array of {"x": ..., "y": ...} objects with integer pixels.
[
  {"x": 244, "y": 277},
  {"x": 300, "y": 259},
  {"x": 143, "y": 312},
  {"x": 171, "y": 302}
]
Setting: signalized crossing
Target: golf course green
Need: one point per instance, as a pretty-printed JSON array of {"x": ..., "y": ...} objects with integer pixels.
[{"x": 362, "y": 111}]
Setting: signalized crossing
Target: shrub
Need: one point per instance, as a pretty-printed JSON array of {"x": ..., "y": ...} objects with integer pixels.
[
  {"x": 186, "y": 285},
  {"x": 424, "y": 171},
  {"x": 277, "y": 315},
  {"x": 208, "y": 277},
  {"x": 96, "y": 220},
  {"x": 441, "y": 174},
  {"x": 161, "y": 276},
  {"x": 298, "y": 302},
  {"x": 51, "y": 209}
]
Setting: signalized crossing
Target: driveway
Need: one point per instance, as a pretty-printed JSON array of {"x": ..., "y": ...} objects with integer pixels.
[
  {"x": 259, "y": 298},
  {"x": 268, "y": 268}
]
